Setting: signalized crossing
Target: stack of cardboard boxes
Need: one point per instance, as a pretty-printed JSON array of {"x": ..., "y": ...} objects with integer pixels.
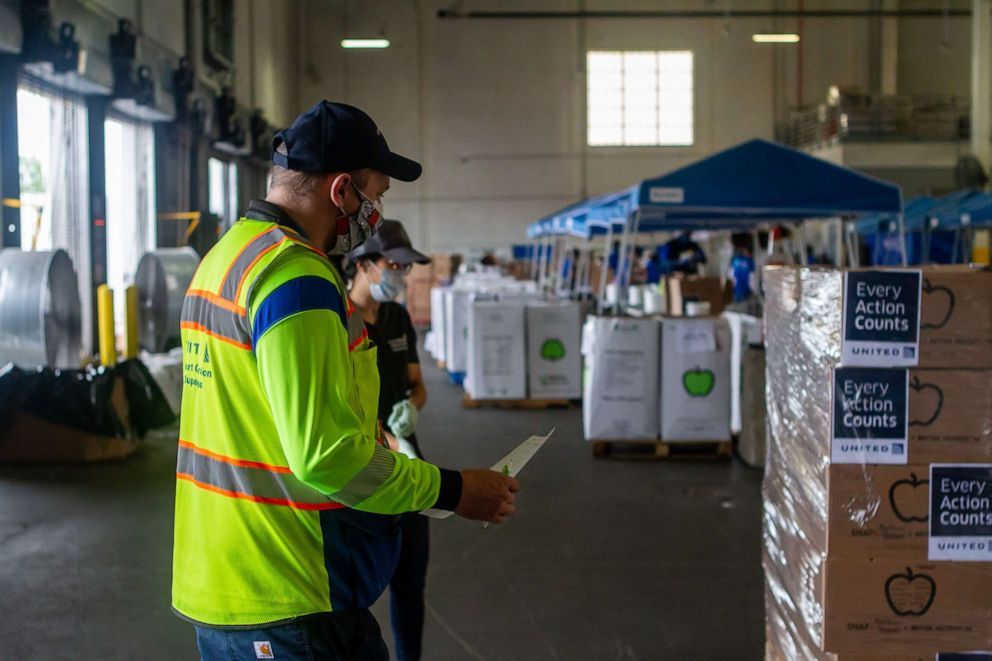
[
  {"x": 422, "y": 279},
  {"x": 878, "y": 489}
]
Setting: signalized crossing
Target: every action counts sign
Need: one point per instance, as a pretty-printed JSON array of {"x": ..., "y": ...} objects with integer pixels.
[
  {"x": 870, "y": 409},
  {"x": 881, "y": 318},
  {"x": 961, "y": 512}
]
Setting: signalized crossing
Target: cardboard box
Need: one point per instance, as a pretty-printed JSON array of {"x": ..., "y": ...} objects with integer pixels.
[
  {"x": 716, "y": 291},
  {"x": 893, "y": 606},
  {"x": 754, "y": 419},
  {"x": 30, "y": 439},
  {"x": 922, "y": 655},
  {"x": 445, "y": 267},
  {"x": 497, "y": 367},
  {"x": 418, "y": 302},
  {"x": 620, "y": 384},
  {"x": 935, "y": 415},
  {"x": 956, "y": 317},
  {"x": 695, "y": 379},
  {"x": 554, "y": 358},
  {"x": 950, "y": 415},
  {"x": 421, "y": 273},
  {"x": 878, "y": 512}
]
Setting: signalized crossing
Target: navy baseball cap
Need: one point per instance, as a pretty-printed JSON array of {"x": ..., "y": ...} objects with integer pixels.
[
  {"x": 335, "y": 137},
  {"x": 392, "y": 241}
]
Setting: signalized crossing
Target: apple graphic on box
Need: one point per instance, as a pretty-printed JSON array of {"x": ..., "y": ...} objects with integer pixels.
[
  {"x": 940, "y": 290},
  {"x": 920, "y": 388},
  {"x": 909, "y": 594},
  {"x": 698, "y": 382},
  {"x": 553, "y": 349},
  {"x": 905, "y": 513}
]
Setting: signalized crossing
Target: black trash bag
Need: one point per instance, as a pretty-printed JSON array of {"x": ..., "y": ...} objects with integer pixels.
[
  {"x": 77, "y": 398},
  {"x": 13, "y": 392},
  {"x": 149, "y": 409},
  {"x": 84, "y": 398}
]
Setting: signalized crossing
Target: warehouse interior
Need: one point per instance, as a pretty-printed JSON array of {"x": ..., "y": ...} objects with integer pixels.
[{"x": 709, "y": 278}]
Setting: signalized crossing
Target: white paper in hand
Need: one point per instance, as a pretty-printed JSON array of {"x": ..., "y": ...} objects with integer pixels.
[{"x": 510, "y": 465}]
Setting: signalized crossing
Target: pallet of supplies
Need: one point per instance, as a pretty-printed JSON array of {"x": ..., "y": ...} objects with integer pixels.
[{"x": 877, "y": 509}]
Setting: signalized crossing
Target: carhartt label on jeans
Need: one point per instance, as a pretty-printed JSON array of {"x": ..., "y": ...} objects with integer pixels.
[{"x": 263, "y": 649}]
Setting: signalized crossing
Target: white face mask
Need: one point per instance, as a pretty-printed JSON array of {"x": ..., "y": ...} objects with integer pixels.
[
  {"x": 361, "y": 226},
  {"x": 391, "y": 284}
]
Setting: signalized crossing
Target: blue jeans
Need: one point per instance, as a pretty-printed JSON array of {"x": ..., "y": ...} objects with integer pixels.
[
  {"x": 351, "y": 636},
  {"x": 407, "y": 587}
]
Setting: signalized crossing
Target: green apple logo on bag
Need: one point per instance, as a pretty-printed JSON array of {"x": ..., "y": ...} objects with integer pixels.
[
  {"x": 553, "y": 349},
  {"x": 910, "y": 594},
  {"x": 698, "y": 382}
]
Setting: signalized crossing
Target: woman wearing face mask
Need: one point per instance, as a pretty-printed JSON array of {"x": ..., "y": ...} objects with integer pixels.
[{"x": 381, "y": 265}]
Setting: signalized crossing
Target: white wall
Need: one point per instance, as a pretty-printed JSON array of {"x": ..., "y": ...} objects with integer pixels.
[{"x": 495, "y": 109}]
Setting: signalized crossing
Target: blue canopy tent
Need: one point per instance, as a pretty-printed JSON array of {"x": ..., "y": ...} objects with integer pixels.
[
  {"x": 954, "y": 221},
  {"x": 600, "y": 215},
  {"x": 755, "y": 182},
  {"x": 915, "y": 209},
  {"x": 882, "y": 237},
  {"x": 976, "y": 212}
]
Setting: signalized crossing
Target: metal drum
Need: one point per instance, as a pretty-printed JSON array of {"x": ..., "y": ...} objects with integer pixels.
[
  {"x": 40, "y": 314},
  {"x": 162, "y": 279}
]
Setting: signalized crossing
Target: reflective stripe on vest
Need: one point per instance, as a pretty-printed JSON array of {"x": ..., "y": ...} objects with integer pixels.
[
  {"x": 214, "y": 316},
  {"x": 220, "y": 315},
  {"x": 248, "y": 480},
  {"x": 357, "y": 332}
]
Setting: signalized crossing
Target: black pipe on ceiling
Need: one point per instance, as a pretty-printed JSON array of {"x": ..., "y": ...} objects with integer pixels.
[{"x": 676, "y": 14}]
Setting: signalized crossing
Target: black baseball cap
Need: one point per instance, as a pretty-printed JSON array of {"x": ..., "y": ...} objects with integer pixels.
[
  {"x": 392, "y": 241},
  {"x": 335, "y": 137}
]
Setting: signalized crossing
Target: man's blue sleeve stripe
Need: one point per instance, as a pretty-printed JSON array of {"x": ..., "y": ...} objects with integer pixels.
[{"x": 308, "y": 292}]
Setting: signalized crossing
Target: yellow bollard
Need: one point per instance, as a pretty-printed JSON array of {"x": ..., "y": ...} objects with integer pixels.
[
  {"x": 105, "y": 319},
  {"x": 131, "y": 315},
  {"x": 980, "y": 250}
]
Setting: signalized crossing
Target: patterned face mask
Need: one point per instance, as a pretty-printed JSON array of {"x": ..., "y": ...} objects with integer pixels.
[{"x": 361, "y": 226}]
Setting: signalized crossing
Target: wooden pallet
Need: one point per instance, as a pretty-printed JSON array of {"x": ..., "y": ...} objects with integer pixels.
[
  {"x": 526, "y": 404},
  {"x": 661, "y": 450}
]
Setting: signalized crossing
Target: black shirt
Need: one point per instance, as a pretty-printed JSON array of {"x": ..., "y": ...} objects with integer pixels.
[{"x": 396, "y": 341}]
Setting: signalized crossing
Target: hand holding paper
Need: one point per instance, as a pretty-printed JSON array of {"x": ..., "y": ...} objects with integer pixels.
[{"x": 501, "y": 478}]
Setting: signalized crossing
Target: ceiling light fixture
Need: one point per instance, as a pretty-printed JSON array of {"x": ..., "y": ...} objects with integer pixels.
[
  {"x": 775, "y": 38},
  {"x": 365, "y": 43}
]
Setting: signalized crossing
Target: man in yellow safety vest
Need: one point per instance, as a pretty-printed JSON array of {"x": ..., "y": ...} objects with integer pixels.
[{"x": 286, "y": 493}]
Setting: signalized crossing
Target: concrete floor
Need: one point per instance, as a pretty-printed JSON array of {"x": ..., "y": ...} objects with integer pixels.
[{"x": 606, "y": 560}]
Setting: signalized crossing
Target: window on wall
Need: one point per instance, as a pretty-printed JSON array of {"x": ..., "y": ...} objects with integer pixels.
[
  {"x": 54, "y": 176},
  {"x": 223, "y": 190},
  {"x": 130, "y": 171},
  {"x": 639, "y": 98}
]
